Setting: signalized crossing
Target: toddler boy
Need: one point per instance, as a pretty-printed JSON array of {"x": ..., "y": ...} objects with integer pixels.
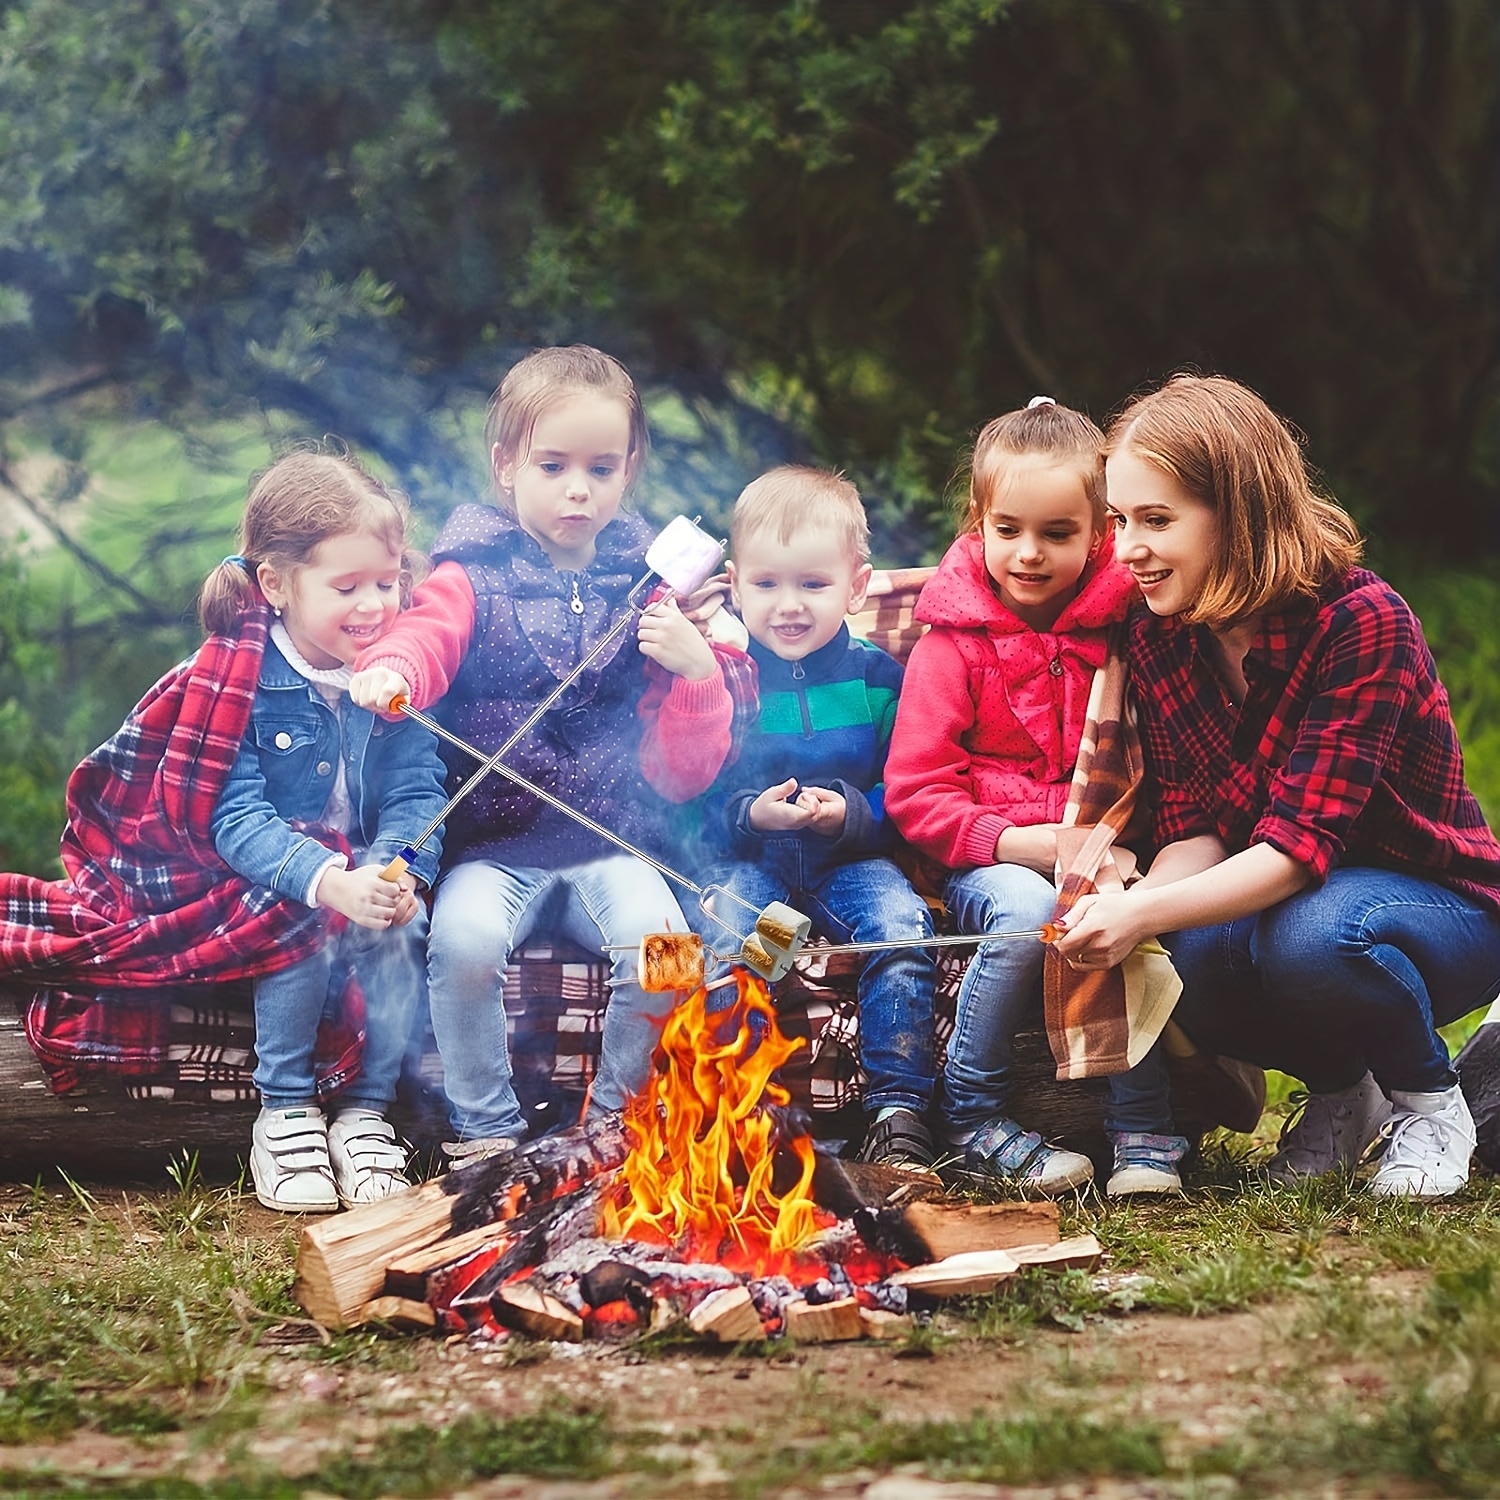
[{"x": 800, "y": 816}]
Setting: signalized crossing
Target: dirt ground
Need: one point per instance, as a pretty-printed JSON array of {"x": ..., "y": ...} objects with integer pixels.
[{"x": 1203, "y": 1379}]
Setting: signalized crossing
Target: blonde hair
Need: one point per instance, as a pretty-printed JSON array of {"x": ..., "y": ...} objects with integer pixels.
[
  {"x": 297, "y": 504},
  {"x": 1278, "y": 537},
  {"x": 795, "y": 498},
  {"x": 539, "y": 382},
  {"x": 1041, "y": 430}
]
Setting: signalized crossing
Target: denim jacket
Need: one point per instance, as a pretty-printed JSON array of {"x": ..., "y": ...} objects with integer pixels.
[{"x": 284, "y": 772}]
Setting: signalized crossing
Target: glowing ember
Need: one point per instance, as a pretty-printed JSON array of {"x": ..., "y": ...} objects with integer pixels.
[{"x": 705, "y": 1149}]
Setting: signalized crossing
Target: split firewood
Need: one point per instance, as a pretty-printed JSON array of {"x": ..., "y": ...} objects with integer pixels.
[
  {"x": 400, "y": 1312},
  {"x": 945, "y": 1228},
  {"x": 1081, "y": 1253},
  {"x": 880, "y": 1324},
  {"x": 824, "y": 1322},
  {"x": 728, "y": 1315},
  {"x": 534, "y": 1312},
  {"x": 968, "y": 1275},
  {"x": 342, "y": 1260}
]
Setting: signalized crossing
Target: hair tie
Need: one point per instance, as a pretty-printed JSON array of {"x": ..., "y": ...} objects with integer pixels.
[
  {"x": 243, "y": 562},
  {"x": 1040, "y": 401}
]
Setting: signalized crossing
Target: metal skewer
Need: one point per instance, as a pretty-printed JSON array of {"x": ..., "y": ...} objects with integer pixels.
[{"x": 490, "y": 763}]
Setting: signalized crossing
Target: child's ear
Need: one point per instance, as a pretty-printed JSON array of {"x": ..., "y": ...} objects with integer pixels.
[
  {"x": 503, "y": 468},
  {"x": 734, "y": 584},
  {"x": 858, "y": 588},
  {"x": 272, "y": 585}
]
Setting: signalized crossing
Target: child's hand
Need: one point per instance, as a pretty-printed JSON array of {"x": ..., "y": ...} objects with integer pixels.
[
  {"x": 709, "y": 610},
  {"x": 365, "y": 897},
  {"x": 772, "y": 813},
  {"x": 671, "y": 640},
  {"x": 407, "y": 903},
  {"x": 1035, "y": 847},
  {"x": 827, "y": 810},
  {"x": 375, "y": 687}
]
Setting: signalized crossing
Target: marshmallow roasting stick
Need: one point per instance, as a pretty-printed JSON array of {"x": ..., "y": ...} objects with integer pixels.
[
  {"x": 490, "y": 763},
  {"x": 684, "y": 557}
]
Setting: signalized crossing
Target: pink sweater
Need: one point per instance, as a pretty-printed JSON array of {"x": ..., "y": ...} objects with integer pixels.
[{"x": 992, "y": 710}]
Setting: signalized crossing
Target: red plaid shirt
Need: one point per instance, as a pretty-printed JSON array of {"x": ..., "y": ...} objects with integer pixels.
[{"x": 1344, "y": 752}]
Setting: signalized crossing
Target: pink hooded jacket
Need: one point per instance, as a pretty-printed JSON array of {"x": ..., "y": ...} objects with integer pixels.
[{"x": 992, "y": 710}]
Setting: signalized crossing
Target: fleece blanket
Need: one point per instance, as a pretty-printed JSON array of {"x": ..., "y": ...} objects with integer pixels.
[{"x": 1102, "y": 1022}]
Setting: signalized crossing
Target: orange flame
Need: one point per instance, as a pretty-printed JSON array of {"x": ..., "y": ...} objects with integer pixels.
[{"x": 699, "y": 1172}]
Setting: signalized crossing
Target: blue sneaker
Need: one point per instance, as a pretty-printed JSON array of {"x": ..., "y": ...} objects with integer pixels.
[
  {"x": 1002, "y": 1149},
  {"x": 1145, "y": 1163}
]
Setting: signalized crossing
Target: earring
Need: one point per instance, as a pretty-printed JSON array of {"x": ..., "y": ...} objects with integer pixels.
[{"x": 276, "y": 610}]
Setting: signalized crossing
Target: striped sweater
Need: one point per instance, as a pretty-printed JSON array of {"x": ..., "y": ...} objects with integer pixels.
[{"x": 827, "y": 721}]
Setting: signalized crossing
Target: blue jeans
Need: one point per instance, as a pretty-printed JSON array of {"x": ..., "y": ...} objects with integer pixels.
[
  {"x": 1001, "y": 994},
  {"x": 481, "y": 912},
  {"x": 391, "y": 966},
  {"x": 867, "y": 901},
  {"x": 1350, "y": 977}
]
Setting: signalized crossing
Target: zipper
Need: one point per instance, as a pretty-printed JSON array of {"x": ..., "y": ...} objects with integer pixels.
[{"x": 576, "y": 602}]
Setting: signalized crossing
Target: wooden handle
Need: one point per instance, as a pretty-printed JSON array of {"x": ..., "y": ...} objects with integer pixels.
[
  {"x": 1050, "y": 932},
  {"x": 396, "y": 869}
]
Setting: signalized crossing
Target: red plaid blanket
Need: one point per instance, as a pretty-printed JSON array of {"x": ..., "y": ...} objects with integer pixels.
[{"x": 147, "y": 901}]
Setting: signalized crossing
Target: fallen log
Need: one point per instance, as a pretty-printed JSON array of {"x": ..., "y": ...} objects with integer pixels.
[{"x": 944, "y": 1228}]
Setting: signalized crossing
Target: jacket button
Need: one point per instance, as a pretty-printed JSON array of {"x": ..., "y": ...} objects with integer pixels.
[
  {"x": 324, "y": 768},
  {"x": 283, "y": 741}
]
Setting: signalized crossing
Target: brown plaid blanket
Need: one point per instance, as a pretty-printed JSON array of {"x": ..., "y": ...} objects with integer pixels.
[{"x": 1104, "y": 1022}]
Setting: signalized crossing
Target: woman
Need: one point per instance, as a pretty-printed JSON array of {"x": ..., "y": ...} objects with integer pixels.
[{"x": 1330, "y": 881}]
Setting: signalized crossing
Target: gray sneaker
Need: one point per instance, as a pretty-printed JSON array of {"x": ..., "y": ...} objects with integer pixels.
[
  {"x": 1330, "y": 1133},
  {"x": 1002, "y": 1149}
]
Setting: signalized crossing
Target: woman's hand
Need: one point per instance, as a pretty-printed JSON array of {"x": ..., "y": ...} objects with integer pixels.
[{"x": 1101, "y": 931}]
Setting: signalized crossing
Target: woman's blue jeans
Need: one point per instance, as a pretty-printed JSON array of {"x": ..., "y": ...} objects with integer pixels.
[
  {"x": 1001, "y": 994},
  {"x": 1354, "y": 976},
  {"x": 482, "y": 911},
  {"x": 391, "y": 966}
]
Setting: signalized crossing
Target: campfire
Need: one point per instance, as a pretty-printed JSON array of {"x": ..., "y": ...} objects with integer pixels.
[{"x": 705, "y": 1207}]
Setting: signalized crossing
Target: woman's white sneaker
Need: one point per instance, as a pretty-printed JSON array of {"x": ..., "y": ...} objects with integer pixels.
[
  {"x": 368, "y": 1163},
  {"x": 289, "y": 1161},
  {"x": 1431, "y": 1142}
]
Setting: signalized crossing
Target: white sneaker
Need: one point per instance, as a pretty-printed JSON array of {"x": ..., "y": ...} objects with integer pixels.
[
  {"x": 289, "y": 1161},
  {"x": 367, "y": 1161},
  {"x": 1431, "y": 1140},
  {"x": 1002, "y": 1149},
  {"x": 1332, "y": 1132}
]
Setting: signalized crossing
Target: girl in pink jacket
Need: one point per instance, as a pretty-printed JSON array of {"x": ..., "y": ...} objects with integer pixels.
[{"x": 986, "y": 738}]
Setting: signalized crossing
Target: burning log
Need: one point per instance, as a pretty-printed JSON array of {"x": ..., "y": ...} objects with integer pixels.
[{"x": 341, "y": 1261}]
